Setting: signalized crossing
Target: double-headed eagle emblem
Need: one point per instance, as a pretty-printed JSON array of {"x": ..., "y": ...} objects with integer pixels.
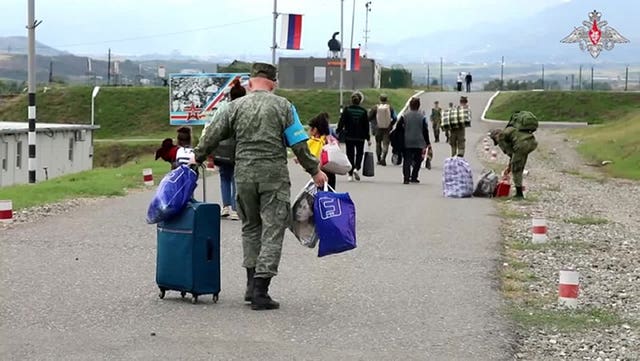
[{"x": 594, "y": 35}]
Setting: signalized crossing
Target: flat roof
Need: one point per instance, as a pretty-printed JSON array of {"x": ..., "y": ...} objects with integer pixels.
[{"x": 23, "y": 127}]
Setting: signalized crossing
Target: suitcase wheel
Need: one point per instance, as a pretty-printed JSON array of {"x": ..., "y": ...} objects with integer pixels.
[
  {"x": 215, "y": 298},
  {"x": 182, "y": 294},
  {"x": 194, "y": 299},
  {"x": 162, "y": 292}
]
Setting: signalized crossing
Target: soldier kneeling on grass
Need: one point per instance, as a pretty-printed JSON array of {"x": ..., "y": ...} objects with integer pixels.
[{"x": 517, "y": 140}]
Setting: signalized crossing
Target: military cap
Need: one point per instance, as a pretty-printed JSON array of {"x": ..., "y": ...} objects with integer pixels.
[
  {"x": 493, "y": 134},
  {"x": 263, "y": 70}
]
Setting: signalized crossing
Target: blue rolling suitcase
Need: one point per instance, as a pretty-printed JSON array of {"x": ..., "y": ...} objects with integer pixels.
[{"x": 188, "y": 258}]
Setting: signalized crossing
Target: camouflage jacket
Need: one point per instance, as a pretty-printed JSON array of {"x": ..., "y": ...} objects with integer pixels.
[
  {"x": 257, "y": 122},
  {"x": 513, "y": 141}
]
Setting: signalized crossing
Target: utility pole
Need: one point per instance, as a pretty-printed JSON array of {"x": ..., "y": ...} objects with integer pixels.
[
  {"x": 502, "y": 73},
  {"x": 51, "y": 71},
  {"x": 428, "y": 76},
  {"x": 367, "y": 5},
  {"x": 109, "y": 68},
  {"x": 31, "y": 78},
  {"x": 342, "y": 63},
  {"x": 441, "y": 76},
  {"x": 273, "y": 39},
  {"x": 580, "y": 78},
  {"x": 591, "y": 77},
  {"x": 542, "y": 76},
  {"x": 626, "y": 78}
]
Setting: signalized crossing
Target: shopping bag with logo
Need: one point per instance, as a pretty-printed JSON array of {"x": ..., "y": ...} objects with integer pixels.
[
  {"x": 334, "y": 160},
  {"x": 302, "y": 222},
  {"x": 335, "y": 220}
]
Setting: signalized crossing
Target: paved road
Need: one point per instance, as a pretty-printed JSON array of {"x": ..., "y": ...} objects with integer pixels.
[{"x": 420, "y": 286}]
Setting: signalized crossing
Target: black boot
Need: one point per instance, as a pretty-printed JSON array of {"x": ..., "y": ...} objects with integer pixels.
[
  {"x": 519, "y": 193},
  {"x": 248, "y": 294},
  {"x": 261, "y": 299}
]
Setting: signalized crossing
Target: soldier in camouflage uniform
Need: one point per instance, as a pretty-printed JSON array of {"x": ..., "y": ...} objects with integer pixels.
[
  {"x": 517, "y": 144},
  {"x": 436, "y": 120},
  {"x": 263, "y": 125}
]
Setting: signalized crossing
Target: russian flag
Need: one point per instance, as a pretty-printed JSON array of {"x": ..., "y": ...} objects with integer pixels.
[
  {"x": 291, "y": 31},
  {"x": 353, "y": 60}
]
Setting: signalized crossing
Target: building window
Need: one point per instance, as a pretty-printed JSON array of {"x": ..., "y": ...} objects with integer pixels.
[
  {"x": 19, "y": 155},
  {"x": 71, "y": 144},
  {"x": 4, "y": 155},
  {"x": 320, "y": 74}
]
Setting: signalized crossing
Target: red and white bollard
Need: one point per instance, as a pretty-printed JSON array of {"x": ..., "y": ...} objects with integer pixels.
[
  {"x": 538, "y": 229},
  {"x": 6, "y": 211},
  {"x": 494, "y": 154},
  {"x": 147, "y": 176},
  {"x": 569, "y": 288}
]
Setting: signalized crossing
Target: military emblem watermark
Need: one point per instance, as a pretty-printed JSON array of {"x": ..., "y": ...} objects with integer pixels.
[{"x": 595, "y": 35}]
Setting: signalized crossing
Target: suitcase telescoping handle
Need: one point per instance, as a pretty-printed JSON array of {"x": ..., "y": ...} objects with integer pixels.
[{"x": 204, "y": 182}]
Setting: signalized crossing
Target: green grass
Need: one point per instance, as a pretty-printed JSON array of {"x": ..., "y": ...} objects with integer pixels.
[
  {"x": 94, "y": 183},
  {"x": 617, "y": 142},
  {"x": 143, "y": 112},
  {"x": 590, "y": 107},
  {"x": 586, "y": 221},
  {"x": 565, "y": 320}
]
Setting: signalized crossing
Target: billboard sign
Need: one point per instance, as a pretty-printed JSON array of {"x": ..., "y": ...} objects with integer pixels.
[{"x": 194, "y": 97}]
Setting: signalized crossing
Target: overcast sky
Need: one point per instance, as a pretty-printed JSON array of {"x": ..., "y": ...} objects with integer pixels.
[{"x": 240, "y": 27}]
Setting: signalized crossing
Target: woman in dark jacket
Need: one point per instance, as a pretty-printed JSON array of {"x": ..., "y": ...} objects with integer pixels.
[{"x": 353, "y": 127}]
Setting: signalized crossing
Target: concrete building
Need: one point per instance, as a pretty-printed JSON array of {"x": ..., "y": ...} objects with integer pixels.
[
  {"x": 324, "y": 73},
  {"x": 60, "y": 149}
]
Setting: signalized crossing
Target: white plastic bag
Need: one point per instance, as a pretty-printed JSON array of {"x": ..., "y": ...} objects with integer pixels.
[
  {"x": 333, "y": 159},
  {"x": 302, "y": 224}
]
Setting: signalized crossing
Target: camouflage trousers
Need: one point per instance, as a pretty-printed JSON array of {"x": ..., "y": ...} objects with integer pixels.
[
  {"x": 519, "y": 161},
  {"x": 457, "y": 141},
  {"x": 382, "y": 143},
  {"x": 435, "y": 125},
  {"x": 264, "y": 209}
]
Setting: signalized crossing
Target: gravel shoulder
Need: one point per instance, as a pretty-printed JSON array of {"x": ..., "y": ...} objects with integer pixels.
[{"x": 593, "y": 227}]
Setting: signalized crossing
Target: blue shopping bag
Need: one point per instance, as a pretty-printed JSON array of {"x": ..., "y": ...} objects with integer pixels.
[
  {"x": 172, "y": 195},
  {"x": 334, "y": 215}
]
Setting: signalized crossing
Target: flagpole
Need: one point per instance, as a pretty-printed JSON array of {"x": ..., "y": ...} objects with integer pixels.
[
  {"x": 273, "y": 44},
  {"x": 341, "y": 51},
  {"x": 353, "y": 19}
]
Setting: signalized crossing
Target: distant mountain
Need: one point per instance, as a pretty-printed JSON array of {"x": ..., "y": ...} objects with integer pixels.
[
  {"x": 19, "y": 45},
  {"x": 534, "y": 39}
]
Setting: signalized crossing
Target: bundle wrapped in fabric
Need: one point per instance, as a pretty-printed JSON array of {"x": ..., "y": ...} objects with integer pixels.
[
  {"x": 457, "y": 178},
  {"x": 173, "y": 193},
  {"x": 302, "y": 222},
  {"x": 335, "y": 221}
]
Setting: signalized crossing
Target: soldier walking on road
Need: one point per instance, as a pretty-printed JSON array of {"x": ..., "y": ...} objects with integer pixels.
[
  {"x": 263, "y": 125},
  {"x": 436, "y": 120},
  {"x": 384, "y": 117},
  {"x": 455, "y": 120},
  {"x": 517, "y": 141}
]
